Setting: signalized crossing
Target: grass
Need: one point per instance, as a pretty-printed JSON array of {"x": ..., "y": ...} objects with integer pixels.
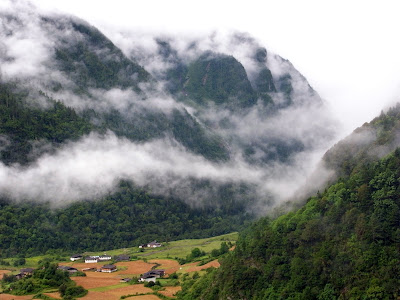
[
  {"x": 167, "y": 282},
  {"x": 107, "y": 288},
  {"x": 182, "y": 248},
  {"x": 169, "y": 250}
]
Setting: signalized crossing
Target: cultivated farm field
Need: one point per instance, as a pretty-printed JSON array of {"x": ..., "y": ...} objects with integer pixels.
[{"x": 108, "y": 286}]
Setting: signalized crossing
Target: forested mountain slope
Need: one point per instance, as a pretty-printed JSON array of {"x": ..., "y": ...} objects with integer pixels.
[
  {"x": 127, "y": 218},
  {"x": 367, "y": 143},
  {"x": 342, "y": 244},
  {"x": 189, "y": 136}
]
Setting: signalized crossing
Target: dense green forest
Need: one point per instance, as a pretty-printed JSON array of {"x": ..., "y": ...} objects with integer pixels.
[
  {"x": 218, "y": 78},
  {"x": 22, "y": 125},
  {"x": 366, "y": 144},
  {"x": 35, "y": 120},
  {"x": 126, "y": 218},
  {"x": 343, "y": 244},
  {"x": 95, "y": 62}
]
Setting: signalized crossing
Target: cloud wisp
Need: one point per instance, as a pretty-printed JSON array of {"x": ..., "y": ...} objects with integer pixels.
[{"x": 92, "y": 167}]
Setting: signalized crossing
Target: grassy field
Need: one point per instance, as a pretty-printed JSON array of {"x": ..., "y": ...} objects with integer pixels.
[
  {"x": 107, "y": 286},
  {"x": 182, "y": 248}
]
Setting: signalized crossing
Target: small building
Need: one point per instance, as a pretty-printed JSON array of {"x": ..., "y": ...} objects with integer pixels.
[
  {"x": 24, "y": 272},
  {"x": 89, "y": 269},
  {"x": 108, "y": 268},
  {"x": 154, "y": 244},
  {"x": 158, "y": 273},
  {"x": 122, "y": 257},
  {"x": 27, "y": 271},
  {"x": 91, "y": 259},
  {"x": 152, "y": 275},
  {"x": 68, "y": 269},
  {"x": 125, "y": 279},
  {"x": 104, "y": 257},
  {"x": 76, "y": 257},
  {"x": 148, "y": 279}
]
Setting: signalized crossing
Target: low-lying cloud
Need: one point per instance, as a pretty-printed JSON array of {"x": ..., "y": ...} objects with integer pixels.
[{"x": 93, "y": 166}]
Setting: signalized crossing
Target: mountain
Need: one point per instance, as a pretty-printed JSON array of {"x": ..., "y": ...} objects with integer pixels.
[
  {"x": 195, "y": 135},
  {"x": 367, "y": 143},
  {"x": 342, "y": 244}
]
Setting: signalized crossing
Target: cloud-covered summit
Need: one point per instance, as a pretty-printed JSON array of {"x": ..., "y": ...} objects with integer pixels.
[{"x": 167, "y": 112}]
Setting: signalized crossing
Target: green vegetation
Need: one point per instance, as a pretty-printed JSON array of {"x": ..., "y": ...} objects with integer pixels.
[
  {"x": 182, "y": 248},
  {"x": 94, "y": 61},
  {"x": 21, "y": 126},
  {"x": 366, "y": 144},
  {"x": 343, "y": 244},
  {"x": 127, "y": 218},
  {"x": 46, "y": 276},
  {"x": 219, "y": 78},
  {"x": 69, "y": 290}
]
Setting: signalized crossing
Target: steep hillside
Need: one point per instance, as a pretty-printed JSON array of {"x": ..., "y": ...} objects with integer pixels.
[
  {"x": 208, "y": 132},
  {"x": 127, "y": 218},
  {"x": 24, "y": 129},
  {"x": 342, "y": 244},
  {"x": 367, "y": 143},
  {"x": 219, "y": 78}
]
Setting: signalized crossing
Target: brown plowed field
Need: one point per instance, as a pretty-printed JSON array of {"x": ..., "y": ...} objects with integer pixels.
[
  {"x": 134, "y": 267},
  {"x": 3, "y": 272},
  {"x": 12, "y": 297},
  {"x": 130, "y": 289},
  {"x": 99, "y": 295},
  {"x": 194, "y": 268},
  {"x": 114, "y": 295},
  {"x": 170, "y": 291},
  {"x": 55, "y": 295},
  {"x": 94, "y": 282},
  {"x": 145, "y": 297},
  {"x": 100, "y": 275},
  {"x": 81, "y": 266},
  {"x": 170, "y": 266}
]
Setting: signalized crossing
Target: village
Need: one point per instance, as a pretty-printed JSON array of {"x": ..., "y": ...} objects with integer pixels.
[
  {"x": 151, "y": 271},
  {"x": 149, "y": 276}
]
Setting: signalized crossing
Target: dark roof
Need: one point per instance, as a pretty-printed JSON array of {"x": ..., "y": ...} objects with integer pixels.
[
  {"x": 123, "y": 257},
  {"x": 76, "y": 256},
  {"x": 109, "y": 267},
  {"x": 154, "y": 243},
  {"x": 27, "y": 270},
  {"x": 153, "y": 273},
  {"x": 148, "y": 276},
  {"x": 90, "y": 257},
  {"x": 67, "y": 268}
]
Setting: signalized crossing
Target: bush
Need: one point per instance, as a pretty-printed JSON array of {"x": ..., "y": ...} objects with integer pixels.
[
  {"x": 78, "y": 274},
  {"x": 75, "y": 291},
  {"x": 4, "y": 262},
  {"x": 149, "y": 284},
  {"x": 19, "y": 262}
]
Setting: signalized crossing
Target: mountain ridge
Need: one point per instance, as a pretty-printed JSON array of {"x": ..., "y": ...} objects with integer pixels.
[
  {"x": 121, "y": 115},
  {"x": 341, "y": 244}
]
